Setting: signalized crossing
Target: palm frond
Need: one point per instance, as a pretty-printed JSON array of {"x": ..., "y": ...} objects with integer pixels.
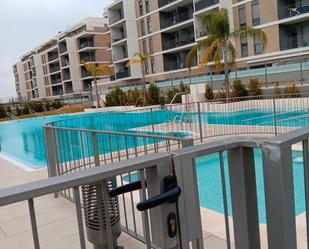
[
  {"x": 251, "y": 32},
  {"x": 231, "y": 53}
]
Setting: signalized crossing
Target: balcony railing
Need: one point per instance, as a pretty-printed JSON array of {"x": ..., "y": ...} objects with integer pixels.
[
  {"x": 119, "y": 37},
  {"x": 178, "y": 18},
  {"x": 62, "y": 48},
  {"x": 123, "y": 74},
  {"x": 66, "y": 76},
  {"x": 174, "y": 65},
  {"x": 294, "y": 42},
  {"x": 115, "y": 18},
  {"x": 88, "y": 58},
  {"x": 117, "y": 57},
  {"x": 203, "y": 4},
  {"x": 86, "y": 44},
  {"x": 175, "y": 43},
  {"x": 55, "y": 81},
  {"x": 85, "y": 73},
  {"x": 53, "y": 57},
  {"x": 164, "y": 2},
  {"x": 293, "y": 10},
  {"x": 54, "y": 69}
]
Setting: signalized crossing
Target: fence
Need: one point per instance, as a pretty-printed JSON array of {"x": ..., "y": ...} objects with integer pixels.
[{"x": 240, "y": 191}]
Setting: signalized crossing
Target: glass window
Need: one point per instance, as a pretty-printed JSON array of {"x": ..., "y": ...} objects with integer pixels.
[
  {"x": 152, "y": 64},
  {"x": 149, "y": 25},
  {"x": 256, "y": 20},
  {"x": 147, "y": 6},
  {"x": 150, "y": 45},
  {"x": 244, "y": 46},
  {"x": 142, "y": 27},
  {"x": 257, "y": 45},
  {"x": 242, "y": 16},
  {"x": 140, "y": 6},
  {"x": 144, "y": 47}
]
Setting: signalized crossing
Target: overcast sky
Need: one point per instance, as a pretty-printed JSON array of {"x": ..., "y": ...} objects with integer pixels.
[{"x": 27, "y": 23}]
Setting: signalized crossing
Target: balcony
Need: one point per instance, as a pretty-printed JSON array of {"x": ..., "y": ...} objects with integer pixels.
[
  {"x": 66, "y": 74},
  {"x": 88, "y": 57},
  {"x": 86, "y": 44},
  {"x": 203, "y": 4},
  {"x": 62, "y": 47},
  {"x": 118, "y": 37},
  {"x": 174, "y": 43},
  {"x": 55, "y": 79},
  {"x": 174, "y": 19},
  {"x": 178, "y": 39},
  {"x": 85, "y": 73},
  {"x": 120, "y": 56},
  {"x": 125, "y": 73},
  {"x": 165, "y": 2},
  {"x": 52, "y": 56},
  {"x": 115, "y": 15},
  {"x": 294, "y": 42},
  {"x": 54, "y": 69},
  {"x": 294, "y": 9}
]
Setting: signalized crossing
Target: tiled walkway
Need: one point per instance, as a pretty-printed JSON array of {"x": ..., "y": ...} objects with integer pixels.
[{"x": 55, "y": 217}]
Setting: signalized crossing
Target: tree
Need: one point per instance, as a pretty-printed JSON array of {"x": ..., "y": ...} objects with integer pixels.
[
  {"x": 2, "y": 112},
  {"x": 134, "y": 97},
  {"x": 219, "y": 43},
  {"x": 209, "y": 93},
  {"x": 291, "y": 90},
  {"x": 141, "y": 59},
  {"x": 254, "y": 87},
  {"x": 153, "y": 94},
  {"x": 239, "y": 89},
  {"x": 95, "y": 71},
  {"x": 170, "y": 94}
]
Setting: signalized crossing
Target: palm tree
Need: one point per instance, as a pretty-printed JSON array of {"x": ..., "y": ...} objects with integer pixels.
[
  {"x": 141, "y": 59},
  {"x": 95, "y": 71},
  {"x": 219, "y": 43}
]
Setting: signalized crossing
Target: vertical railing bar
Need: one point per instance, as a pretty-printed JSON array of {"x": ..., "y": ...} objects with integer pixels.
[
  {"x": 33, "y": 224},
  {"x": 145, "y": 213},
  {"x": 306, "y": 179},
  {"x": 225, "y": 206},
  {"x": 132, "y": 206},
  {"x": 79, "y": 218}
]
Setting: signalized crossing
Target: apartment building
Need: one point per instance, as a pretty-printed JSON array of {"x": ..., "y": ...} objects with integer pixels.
[
  {"x": 168, "y": 29},
  {"x": 54, "y": 69}
]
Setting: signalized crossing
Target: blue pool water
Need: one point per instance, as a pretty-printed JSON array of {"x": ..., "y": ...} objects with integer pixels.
[{"x": 23, "y": 140}]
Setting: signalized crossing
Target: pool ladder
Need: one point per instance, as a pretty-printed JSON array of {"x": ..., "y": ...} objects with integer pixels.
[
  {"x": 11, "y": 116},
  {"x": 34, "y": 113}
]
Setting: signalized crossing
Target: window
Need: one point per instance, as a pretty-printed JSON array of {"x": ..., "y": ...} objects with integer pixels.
[
  {"x": 147, "y": 6},
  {"x": 149, "y": 25},
  {"x": 142, "y": 27},
  {"x": 152, "y": 64},
  {"x": 242, "y": 16},
  {"x": 244, "y": 46},
  {"x": 257, "y": 45},
  {"x": 256, "y": 20},
  {"x": 150, "y": 45},
  {"x": 140, "y": 6},
  {"x": 144, "y": 47}
]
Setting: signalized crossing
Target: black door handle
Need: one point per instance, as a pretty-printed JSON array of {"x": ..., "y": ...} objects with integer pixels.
[
  {"x": 126, "y": 188},
  {"x": 168, "y": 196}
]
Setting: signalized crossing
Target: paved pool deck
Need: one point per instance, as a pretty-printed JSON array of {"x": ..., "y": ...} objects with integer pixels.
[{"x": 57, "y": 224}]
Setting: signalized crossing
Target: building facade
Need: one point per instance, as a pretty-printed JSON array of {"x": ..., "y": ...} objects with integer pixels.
[
  {"x": 168, "y": 29},
  {"x": 54, "y": 68}
]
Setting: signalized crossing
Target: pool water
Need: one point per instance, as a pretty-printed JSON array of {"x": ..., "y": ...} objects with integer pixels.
[
  {"x": 210, "y": 185},
  {"x": 23, "y": 141}
]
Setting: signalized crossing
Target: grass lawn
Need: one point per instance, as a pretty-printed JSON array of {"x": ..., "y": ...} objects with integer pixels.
[{"x": 66, "y": 110}]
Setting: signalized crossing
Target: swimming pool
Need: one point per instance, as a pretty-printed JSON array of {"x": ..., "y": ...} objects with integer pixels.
[{"x": 23, "y": 141}]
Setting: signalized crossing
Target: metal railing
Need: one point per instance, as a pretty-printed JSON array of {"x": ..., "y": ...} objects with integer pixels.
[
  {"x": 293, "y": 9},
  {"x": 176, "y": 19},
  {"x": 199, "y": 5},
  {"x": 34, "y": 113},
  {"x": 169, "y": 44},
  {"x": 240, "y": 187}
]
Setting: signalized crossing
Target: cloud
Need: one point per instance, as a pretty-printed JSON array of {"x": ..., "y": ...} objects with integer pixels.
[{"x": 26, "y": 24}]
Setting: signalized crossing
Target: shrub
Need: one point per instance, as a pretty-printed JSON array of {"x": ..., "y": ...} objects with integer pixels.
[
  {"x": 135, "y": 97},
  {"x": 239, "y": 89},
  {"x": 18, "y": 111},
  {"x": 25, "y": 109},
  {"x": 37, "y": 106},
  {"x": 220, "y": 95},
  {"x": 8, "y": 109},
  {"x": 254, "y": 87},
  {"x": 153, "y": 94},
  {"x": 277, "y": 89},
  {"x": 209, "y": 92},
  {"x": 47, "y": 105},
  {"x": 184, "y": 88},
  {"x": 2, "y": 112},
  {"x": 116, "y": 97},
  {"x": 170, "y": 94},
  {"x": 56, "y": 104},
  {"x": 291, "y": 90}
]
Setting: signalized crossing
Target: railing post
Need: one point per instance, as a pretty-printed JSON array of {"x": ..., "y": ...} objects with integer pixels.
[
  {"x": 152, "y": 120},
  {"x": 279, "y": 196},
  {"x": 200, "y": 120},
  {"x": 275, "y": 116},
  {"x": 244, "y": 198},
  {"x": 187, "y": 143},
  {"x": 95, "y": 149}
]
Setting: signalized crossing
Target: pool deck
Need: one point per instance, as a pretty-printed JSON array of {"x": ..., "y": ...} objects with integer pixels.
[{"x": 52, "y": 214}]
